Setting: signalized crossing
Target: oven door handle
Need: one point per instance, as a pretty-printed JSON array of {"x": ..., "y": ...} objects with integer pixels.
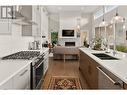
[{"x": 38, "y": 65}]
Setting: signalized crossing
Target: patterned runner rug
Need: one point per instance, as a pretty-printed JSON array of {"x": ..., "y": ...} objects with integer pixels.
[{"x": 65, "y": 83}]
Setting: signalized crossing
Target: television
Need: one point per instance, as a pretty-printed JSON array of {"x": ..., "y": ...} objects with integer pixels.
[{"x": 68, "y": 33}]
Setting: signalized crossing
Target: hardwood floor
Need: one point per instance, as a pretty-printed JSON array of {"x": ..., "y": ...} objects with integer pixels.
[{"x": 59, "y": 68}]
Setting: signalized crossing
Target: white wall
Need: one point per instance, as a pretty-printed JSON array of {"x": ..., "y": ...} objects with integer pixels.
[
  {"x": 88, "y": 27},
  {"x": 14, "y": 42},
  {"x": 53, "y": 24},
  {"x": 68, "y": 20}
]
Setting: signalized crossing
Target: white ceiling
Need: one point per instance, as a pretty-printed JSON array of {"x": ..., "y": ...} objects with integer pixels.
[{"x": 71, "y": 8}]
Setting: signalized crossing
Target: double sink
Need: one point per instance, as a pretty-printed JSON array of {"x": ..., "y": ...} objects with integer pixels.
[{"x": 104, "y": 56}]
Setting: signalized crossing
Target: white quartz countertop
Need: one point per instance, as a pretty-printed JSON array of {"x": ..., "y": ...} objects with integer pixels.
[
  {"x": 40, "y": 50},
  {"x": 117, "y": 67},
  {"x": 9, "y": 68}
]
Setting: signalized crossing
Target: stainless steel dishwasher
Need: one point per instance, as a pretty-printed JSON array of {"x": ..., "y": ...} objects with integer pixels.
[{"x": 107, "y": 80}]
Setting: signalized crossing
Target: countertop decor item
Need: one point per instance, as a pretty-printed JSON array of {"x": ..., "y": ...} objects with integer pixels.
[
  {"x": 97, "y": 44},
  {"x": 64, "y": 83}
]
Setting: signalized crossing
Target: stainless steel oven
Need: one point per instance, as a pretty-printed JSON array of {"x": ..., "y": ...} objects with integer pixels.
[
  {"x": 37, "y": 72},
  {"x": 36, "y": 65}
]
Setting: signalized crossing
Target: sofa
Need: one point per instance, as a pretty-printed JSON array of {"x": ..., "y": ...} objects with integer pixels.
[{"x": 63, "y": 52}]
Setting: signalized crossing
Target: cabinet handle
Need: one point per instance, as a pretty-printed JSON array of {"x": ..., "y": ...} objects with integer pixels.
[
  {"x": 23, "y": 73},
  {"x": 113, "y": 81},
  {"x": 38, "y": 65}
]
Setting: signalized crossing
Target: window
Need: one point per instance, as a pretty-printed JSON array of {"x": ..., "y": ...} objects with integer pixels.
[
  {"x": 98, "y": 14},
  {"x": 107, "y": 9},
  {"x": 5, "y": 10}
]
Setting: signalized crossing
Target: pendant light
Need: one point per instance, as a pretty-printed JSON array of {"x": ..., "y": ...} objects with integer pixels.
[
  {"x": 117, "y": 18},
  {"x": 103, "y": 23}
]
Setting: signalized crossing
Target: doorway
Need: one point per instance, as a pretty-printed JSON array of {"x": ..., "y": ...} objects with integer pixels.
[{"x": 84, "y": 37}]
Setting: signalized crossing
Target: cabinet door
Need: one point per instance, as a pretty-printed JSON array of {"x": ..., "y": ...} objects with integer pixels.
[
  {"x": 36, "y": 29},
  {"x": 88, "y": 68},
  {"x": 7, "y": 85},
  {"x": 22, "y": 79},
  {"x": 27, "y": 12},
  {"x": 45, "y": 65},
  {"x": 93, "y": 74},
  {"x": 84, "y": 65},
  {"x": 46, "y": 62}
]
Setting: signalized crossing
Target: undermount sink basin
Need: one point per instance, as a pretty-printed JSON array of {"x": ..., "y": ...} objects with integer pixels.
[{"x": 104, "y": 56}]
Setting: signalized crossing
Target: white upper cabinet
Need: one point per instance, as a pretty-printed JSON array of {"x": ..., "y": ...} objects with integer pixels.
[
  {"x": 44, "y": 20},
  {"x": 40, "y": 16},
  {"x": 36, "y": 18},
  {"x": 27, "y": 13}
]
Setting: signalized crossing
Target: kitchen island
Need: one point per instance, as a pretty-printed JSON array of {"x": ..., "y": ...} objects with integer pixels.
[{"x": 89, "y": 64}]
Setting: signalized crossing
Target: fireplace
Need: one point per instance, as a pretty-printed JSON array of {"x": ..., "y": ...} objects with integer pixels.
[{"x": 69, "y": 43}]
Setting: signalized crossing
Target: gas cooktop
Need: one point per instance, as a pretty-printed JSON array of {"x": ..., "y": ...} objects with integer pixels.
[{"x": 23, "y": 55}]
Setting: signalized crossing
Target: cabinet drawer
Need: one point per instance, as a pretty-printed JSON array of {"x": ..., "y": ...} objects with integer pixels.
[
  {"x": 7, "y": 85},
  {"x": 22, "y": 79}
]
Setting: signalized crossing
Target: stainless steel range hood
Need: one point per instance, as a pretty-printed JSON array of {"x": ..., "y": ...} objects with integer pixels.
[
  {"x": 16, "y": 15},
  {"x": 23, "y": 21},
  {"x": 20, "y": 19}
]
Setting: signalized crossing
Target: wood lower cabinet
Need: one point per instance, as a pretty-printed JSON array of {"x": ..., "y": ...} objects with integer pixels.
[
  {"x": 89, "y": 70},
  {"x": 84, "y": 65},
  {"x": 125, "y": 86}
]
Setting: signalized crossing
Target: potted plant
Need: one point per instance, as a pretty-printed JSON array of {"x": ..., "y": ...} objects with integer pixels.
[
  {"x": 54, "y": 38},
  {"x": 121, "y": 48},
  {"x": 97, "y": 43}
]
